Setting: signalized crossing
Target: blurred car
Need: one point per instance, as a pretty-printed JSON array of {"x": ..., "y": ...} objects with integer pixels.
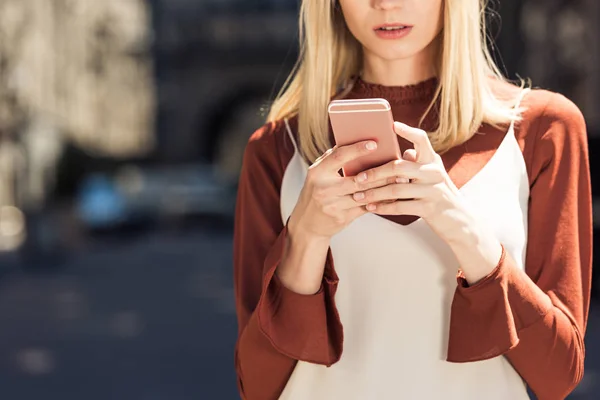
[{"x": 135, "y": 195}]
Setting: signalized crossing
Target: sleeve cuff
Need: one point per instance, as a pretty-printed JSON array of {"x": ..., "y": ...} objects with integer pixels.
[
  {"x": 486, "y": 318},
  {"x": 302, "y": 327}
]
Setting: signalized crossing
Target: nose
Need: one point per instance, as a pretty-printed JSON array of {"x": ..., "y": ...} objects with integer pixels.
[{"x": 386, "y": 4}]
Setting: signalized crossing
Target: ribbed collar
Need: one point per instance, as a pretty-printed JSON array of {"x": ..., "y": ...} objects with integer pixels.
[{"x": 421, "y": 92}]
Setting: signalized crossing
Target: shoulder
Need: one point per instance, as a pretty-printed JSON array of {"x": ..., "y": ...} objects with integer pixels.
[
  {"x": 540, "y": 107},
  {"x": 546, "y": 108},
  {"x": 552, "y": 131},
  {"x": 551, "y": 117},
  {"x": 272, "y": 134},
  {"x": 270, "y": 146},
  {"x": 265, "y": 138}
]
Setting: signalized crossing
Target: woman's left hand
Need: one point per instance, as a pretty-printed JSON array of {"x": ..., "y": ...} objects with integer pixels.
[{"x": 423, "y": 187}]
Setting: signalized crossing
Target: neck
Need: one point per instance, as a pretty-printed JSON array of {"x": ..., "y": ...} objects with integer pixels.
[{"x": 400, "y": 72}]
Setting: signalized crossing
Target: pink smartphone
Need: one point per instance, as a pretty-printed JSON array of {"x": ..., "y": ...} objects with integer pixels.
[{"x": 365, "y": 119}]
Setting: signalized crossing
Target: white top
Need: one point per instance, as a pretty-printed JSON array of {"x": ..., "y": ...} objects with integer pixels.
[{"x": 395, "y": 292}]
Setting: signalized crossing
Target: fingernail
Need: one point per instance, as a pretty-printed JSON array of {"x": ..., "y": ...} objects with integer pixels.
[
  {"x": 361, "y": 177},
  {"x": 401, "y": 180},
  {"x": 371, "y": 145},
  {"x": 359, "y": 196},
  {"x": 371, "y": 207}
]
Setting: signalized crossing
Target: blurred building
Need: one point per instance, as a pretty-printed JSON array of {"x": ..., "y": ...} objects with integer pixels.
[
  {"x": 72, "y": 73},
  {"x": 555, "y": 43},
  {"x": 83, "y": 67},
  {"x": 87, "y": 86},
  {"x": 218, "y": 63}
]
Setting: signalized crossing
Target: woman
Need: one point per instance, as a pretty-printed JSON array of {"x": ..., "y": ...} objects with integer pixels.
[{"x": 347, "y": 287}]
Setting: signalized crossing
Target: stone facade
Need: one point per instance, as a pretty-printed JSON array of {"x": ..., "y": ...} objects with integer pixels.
[{"x": 83, "y": 66}]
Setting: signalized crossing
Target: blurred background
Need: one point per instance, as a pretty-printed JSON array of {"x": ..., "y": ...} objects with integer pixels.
[{"x": 122, "y": 127}]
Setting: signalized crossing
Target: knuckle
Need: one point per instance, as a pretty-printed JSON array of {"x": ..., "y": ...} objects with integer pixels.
[
  {"x": 371, "y": 175},
  {"x": 320, "y": 193},
  {"x": 360, "y": 186},
  {"x": 438, "y": 173},
  {"x": 312, "y": 174},
  {"x": 330, "y": 209},
  {"x": 421, "y": 133},
  {"x": 337, "y": 154},
  {"x": 342, "y": 186}
]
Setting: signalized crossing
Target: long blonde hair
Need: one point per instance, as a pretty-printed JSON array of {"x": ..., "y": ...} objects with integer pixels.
[{"x": 330, "y": 57}]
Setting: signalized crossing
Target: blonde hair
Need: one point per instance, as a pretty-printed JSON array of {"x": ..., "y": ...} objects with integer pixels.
[{"x": 330, "y": 57}]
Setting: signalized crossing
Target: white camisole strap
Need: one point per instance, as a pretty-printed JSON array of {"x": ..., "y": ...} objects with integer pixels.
[{"x": 290, "y": 134}]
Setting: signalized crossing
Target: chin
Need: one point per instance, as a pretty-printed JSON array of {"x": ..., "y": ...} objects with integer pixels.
[{"x": 396, "y": 54}]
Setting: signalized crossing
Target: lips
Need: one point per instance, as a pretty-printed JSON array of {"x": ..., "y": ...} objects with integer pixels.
[
  {"x": 392, "y": 27},
  {"x": 393, "y": 31}
]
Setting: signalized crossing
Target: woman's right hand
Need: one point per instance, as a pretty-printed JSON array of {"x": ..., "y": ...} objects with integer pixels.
[{"x": 325, "y": 207}]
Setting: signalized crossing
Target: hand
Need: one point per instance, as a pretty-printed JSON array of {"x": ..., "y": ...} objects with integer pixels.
[
  {"x": 421, "y": 185},
  {"x": 326, "y": 204},
  {"x": 431, "y": 195},
  {"x": 324, "y": 208}
]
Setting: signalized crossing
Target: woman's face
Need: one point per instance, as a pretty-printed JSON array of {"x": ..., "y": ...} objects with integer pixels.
[{"x": 394, "y": 29}]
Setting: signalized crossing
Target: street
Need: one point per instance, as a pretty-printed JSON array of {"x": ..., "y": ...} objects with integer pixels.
[{"x": 145, "y": 317}]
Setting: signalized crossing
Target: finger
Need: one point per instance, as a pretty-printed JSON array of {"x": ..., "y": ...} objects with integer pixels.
[
  {"x": 410, "y": 207},
  {"x": 423, "y": 147},
  {"x": 410, "y": 155},
  {"x": 341, "y": 155},
  {"x": 345, "y": 203},
  {"x": 356, "y": 212},
  {"x": 394, "y": 169},
  {"x": 349, "y": 185},
  {"x": 398, "y": 191},
  {"x": 341, "y": 204}
]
